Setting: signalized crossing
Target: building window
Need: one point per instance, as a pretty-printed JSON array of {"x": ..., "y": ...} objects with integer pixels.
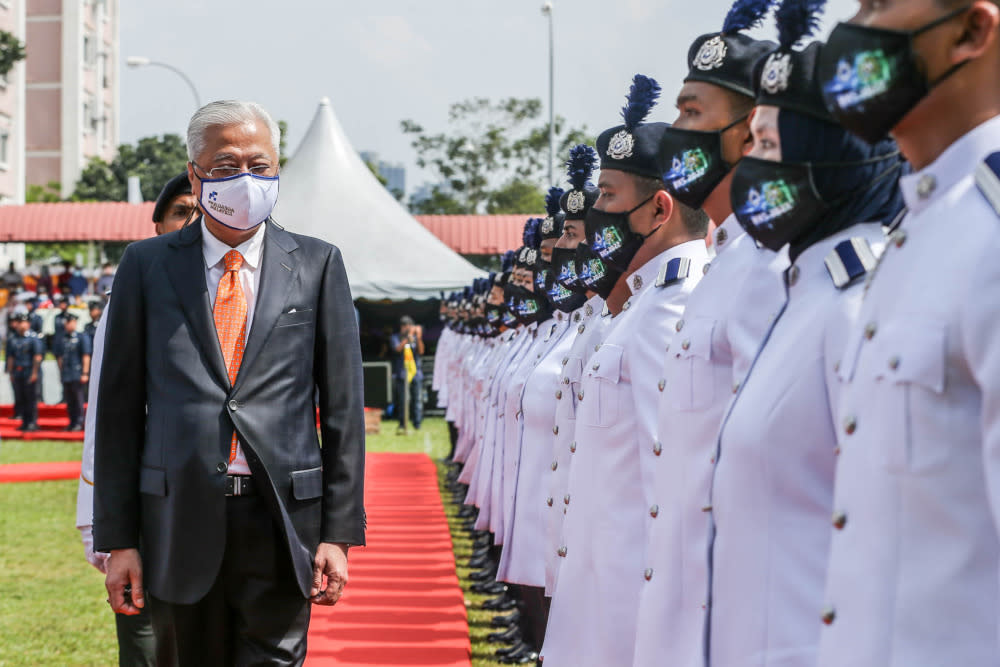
[
  {"x": 89, "y": 51},
  {"x": 5, "y": 145},
  {"x": 106, "y": 128},
  {"x": 105, "y": 71}
]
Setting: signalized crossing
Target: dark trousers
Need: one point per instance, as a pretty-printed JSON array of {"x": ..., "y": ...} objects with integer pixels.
[
  {"x": 136, "y": 644},
  {"x": 73, "y": 393},
  {"x": 25, "y": 396},
  {"x": 416, "y": 404},
  {"x": 254, "y": 614},
  {"x": 453, "y": 438}
]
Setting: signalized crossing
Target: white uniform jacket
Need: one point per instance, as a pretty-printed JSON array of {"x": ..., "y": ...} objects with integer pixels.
[
  {"x": 589, "y": 326},
  {"x": 913, "y": 571},
  {"x": 772, "y": 492},
  {"x": 724, "y": 322},
  {"x": 522, "y": 560},
  {"x": 593, "y": 613}
]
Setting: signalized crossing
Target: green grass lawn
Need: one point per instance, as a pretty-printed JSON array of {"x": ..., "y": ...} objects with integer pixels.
[{"x": 52, "y": 602}]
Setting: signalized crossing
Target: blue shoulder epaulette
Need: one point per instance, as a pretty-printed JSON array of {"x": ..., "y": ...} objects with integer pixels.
[
  {"x": 988, "y": 180},
  {"x": 673, "y": 271},
  {"x": 850, "y": 260}
]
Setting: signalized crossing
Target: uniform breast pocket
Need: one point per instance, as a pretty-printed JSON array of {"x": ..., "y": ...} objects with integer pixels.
[
  {"x": 599, "y": 396},
  {"x": 910, "y": 364},
  {"x": 692, "y": 385}
]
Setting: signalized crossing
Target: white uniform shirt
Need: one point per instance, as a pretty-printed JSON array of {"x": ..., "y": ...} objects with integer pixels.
[
  {"x": 772, "y": 493},
  {"x": 724, "y": 322},
  {"x": 593, "y": 613},
  {"x": 528, "y": 450},
  {"x": 214, "y": 252},
  {"x": 589, "y": 326},
  {"x": 913, "y": 573},
  {"x": 439, "y": 380}
]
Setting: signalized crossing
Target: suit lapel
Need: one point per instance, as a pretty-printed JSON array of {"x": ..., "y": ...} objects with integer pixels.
[
  {"x": 279, "y": 266},
  {"x": 186, "y": 269}
]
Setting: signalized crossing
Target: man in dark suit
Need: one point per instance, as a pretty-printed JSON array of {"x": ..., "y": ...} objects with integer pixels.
[{"x": 207, "y": 459}]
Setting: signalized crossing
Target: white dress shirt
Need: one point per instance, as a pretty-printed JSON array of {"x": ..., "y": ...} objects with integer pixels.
[
  {"x": 214, "y": 252},
  {"x": 913, "y": 572}
]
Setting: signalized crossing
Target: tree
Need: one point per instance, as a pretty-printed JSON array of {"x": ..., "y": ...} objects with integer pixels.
[
  {"x": 489, "y": 147},
  {"x": 11, "y": 52},
  {"x": 517, "y": 196},
  {"x": 282, "y": 146},
  {"x": 155, "y": 160},
  {"x": 43, "y": 194}
]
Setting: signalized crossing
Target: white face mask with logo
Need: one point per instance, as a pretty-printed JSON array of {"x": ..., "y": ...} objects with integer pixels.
[{"x": 239, "y": 202}]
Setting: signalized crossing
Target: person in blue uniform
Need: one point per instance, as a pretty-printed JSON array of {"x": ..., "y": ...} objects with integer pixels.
[
  {"x": 24, "y": 356},
  {"x": 96, "y": 310},
  {"x": 74, "y": 370}
]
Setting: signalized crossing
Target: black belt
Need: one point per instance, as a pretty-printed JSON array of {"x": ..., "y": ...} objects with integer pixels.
[{"x": 240, "y": 485}]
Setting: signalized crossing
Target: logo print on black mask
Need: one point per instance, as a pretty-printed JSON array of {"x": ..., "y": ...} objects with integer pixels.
[
  {"x": 771, "y": 201},
  {"x": 687, "y": 168},
  {"x": 868, "y": 75}
]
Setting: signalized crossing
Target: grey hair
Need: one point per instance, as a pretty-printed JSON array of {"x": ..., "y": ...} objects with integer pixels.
[{"x": 227, "y": 112}]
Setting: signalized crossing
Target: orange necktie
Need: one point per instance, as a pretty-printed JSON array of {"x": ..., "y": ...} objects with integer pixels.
[{"x": 230, "y": 315}]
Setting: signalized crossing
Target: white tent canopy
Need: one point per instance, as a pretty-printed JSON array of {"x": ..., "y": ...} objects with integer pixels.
[{"x": 329, "y": 193}]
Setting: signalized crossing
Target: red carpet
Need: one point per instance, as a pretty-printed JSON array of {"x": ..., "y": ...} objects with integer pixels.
[
  {"x": 52, "y": 423},
  {"x": 403, "y": 604}
]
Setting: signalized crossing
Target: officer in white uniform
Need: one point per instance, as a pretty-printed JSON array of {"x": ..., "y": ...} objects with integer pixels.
[
  {"x": 724, "y": 322},
  {"x": 588, "y": 327},
  {"x": 660, "y": 245},
  {"x": 772, "y": 493},
  {"x": 913, "y": 570}
]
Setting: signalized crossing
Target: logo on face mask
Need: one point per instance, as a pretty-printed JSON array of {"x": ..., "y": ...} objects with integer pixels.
[
  {"x": 559, "y": 293},
  {"x": 687, "y": 168},
  {"x": 606, "y": 242},
  {"x": 773, "y": 200},
  {"x": 868, "y": 76},
  {"x": 593, "y": 271},
  {"x": 540, "y": 279},
  {"x": 567, "y": 274}
]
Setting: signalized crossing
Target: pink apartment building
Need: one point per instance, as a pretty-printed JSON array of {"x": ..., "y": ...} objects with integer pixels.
[{"x": 59, "y": 107}]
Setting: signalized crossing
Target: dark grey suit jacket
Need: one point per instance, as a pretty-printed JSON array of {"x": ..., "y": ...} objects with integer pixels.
[{"x": 166, "y": 410}]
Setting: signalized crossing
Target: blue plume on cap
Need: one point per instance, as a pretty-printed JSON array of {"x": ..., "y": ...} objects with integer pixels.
[
  {"x": 552, "y": 201},
  {"x": 642, "y": 98},
  {"x": 507, "y": 261},
  {"x": 796, "y": 20},
  {"x": 530, "y": 235},
  {"x": 580, "y": 166},
  {"x": 745, "y": 14}
]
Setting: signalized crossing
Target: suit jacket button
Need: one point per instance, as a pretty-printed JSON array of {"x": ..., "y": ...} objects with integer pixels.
[
  {"x": 222, "y": 467},
  {"x": 828, "y": 615},
  {"x": 233, "y": 405}
]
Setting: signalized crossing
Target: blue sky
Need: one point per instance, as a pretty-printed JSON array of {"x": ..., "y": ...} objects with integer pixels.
[{"x": 380, "y": 62}]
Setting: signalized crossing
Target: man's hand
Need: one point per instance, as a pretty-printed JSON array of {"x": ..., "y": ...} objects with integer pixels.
[
  {"x": 330, "y": 562},
  {"x": 84, "y": 377},
  {"x": 125, "y": 569}
]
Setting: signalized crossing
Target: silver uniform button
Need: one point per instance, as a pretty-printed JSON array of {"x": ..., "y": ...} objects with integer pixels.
[
  {"x": 686, "y": 345},
  {"x": 648, "y": 574},
  {"x": 627, "y": 305},
  {"x": 637, "y": 283},
  {"x": 829, "y": 614},
  {"x": 579, "y": 396},
  {"x": 596, "y": 366},
  {"x": 572, "y": 447},
  {"x": 580, "y": 329},
  {"x": 721, "y": 236},
  {"x": 736, "y": 387},
  {"x": 565, "y": 361},
  {"x": 680, "y": 325},
  {"x": 559, "y": 394},
  {"x": 555, "y": 465},
  {"x": 654, "y": 511},
  {"x": 657, "y": 448},
  {"x": 566, "y": 499},
  {"x": 839, "y": 520},
  {"x": 850, "y": 425},
  {"x": 705, "y": 268},
  {"x": 899, "y": 238},
  {"x": 576, "y": 317},
  {"x": 661, "y": 385},
  {"x": 894, "y": 363},
  {"x": 926, "y": 186},
  {"x": 555, "y": 430},
  {"x": 549, "y": 501},
  {"x": 562, "y": 552},
  {"x": 870, "y": 330},
  {"x": 589, "y": 310}
]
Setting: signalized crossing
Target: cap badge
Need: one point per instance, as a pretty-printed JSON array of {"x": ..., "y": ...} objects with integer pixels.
[
  {"x": 530, "y": 256},
  {"x": 711, "y": 54},
  {"x": 548, "y": 225},
  {"x": 777, "y": 70},
  {"x": 621, "y": 145},
  {"x": 575, "y": 202}
]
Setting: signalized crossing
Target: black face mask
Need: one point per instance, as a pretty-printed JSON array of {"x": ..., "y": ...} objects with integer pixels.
[
  {"x": 611, "y": 238},
  {"x": 540, "y": 274},
  {"x": 563, "y": 298},
  {"x": 872, "y": 77},
  {"x": 508, "y": 319},
  {"x": 777, "y": 203},
  {"x": 593, "y": 273},
  {"x": 494, "y": 315},
  {"x": 530, "y": 307},
  {"x": 696, "y": 163}
]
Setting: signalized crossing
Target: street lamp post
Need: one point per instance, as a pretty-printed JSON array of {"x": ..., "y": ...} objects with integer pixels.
[
  {"x": 547, "y": 11},
  {"x": 141, "y": 61}
]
